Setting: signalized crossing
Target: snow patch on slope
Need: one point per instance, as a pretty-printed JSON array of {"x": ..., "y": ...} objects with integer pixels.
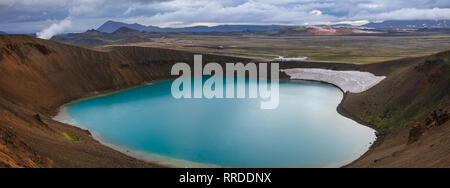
[{"x": 348, "y": 81}]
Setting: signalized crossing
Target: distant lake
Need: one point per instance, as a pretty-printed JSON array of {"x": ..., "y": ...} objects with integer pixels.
[{"x": 305, "y": 131}]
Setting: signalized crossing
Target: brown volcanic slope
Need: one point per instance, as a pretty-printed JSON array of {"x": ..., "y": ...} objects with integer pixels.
[
  {"x": 38, "y": 76},
  {"x": 408, "y": 94}
]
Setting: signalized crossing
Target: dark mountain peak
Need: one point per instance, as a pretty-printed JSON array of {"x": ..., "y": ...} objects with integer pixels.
[
  {"x": 112, "y": 22},
  {"x": 136, "y": 24},
  {"x": 111, "y": 26},
  {"x": 125, "y": 30},
  {"x": 92, "y": 31},
  {"x": 3, "y": 33}
]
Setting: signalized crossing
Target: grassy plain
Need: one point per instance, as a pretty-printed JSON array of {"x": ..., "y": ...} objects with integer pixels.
[{"x": 358, "y": 49}]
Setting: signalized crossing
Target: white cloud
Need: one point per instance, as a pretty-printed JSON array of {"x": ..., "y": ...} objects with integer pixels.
[
  {"x": 54, "y": 29},
  {"x": 130, "y": 9},
  {"x": 371, "y": 5},
  {"x": 316, "y": 12},
  {"x": 355, "y": 23},
  {"x": 293, "y": 12}
]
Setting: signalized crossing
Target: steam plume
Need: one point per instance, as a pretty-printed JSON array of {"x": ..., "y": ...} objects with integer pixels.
[{"x": 55, "y": 29}]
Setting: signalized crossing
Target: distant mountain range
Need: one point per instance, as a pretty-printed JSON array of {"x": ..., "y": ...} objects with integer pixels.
[
  {"x": 111, "y": 26},
  {"x": 409, "y": 24},
  {"x": 109, "y": 34},
  {"x": 3, "y": 33}
]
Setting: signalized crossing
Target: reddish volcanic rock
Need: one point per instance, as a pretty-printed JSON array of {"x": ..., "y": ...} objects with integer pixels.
[
  {"x": 328, "y": 30},
  {"x": 435, "y": 119}
]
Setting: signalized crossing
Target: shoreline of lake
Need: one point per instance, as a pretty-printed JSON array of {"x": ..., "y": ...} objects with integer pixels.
[{"x": 164, "y": 160}]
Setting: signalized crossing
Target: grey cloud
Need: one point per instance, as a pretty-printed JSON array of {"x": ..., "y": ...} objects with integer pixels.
[{"x": 86, "y": 14}]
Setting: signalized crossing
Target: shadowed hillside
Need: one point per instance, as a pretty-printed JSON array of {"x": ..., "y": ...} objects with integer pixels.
[
  {"x": 401, "y": 107},
  {"x": 93, "y": 38},
  {"x": 406, "y": 95}
]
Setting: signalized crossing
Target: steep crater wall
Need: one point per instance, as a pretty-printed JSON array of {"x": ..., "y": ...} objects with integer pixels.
[{"x": 38, "y": 76}]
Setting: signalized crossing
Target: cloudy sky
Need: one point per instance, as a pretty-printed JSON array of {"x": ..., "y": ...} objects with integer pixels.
[{"x": 58, "y": 16}]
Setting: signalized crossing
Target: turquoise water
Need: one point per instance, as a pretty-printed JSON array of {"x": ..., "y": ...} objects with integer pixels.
[{"x": 305, "y": 131}]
